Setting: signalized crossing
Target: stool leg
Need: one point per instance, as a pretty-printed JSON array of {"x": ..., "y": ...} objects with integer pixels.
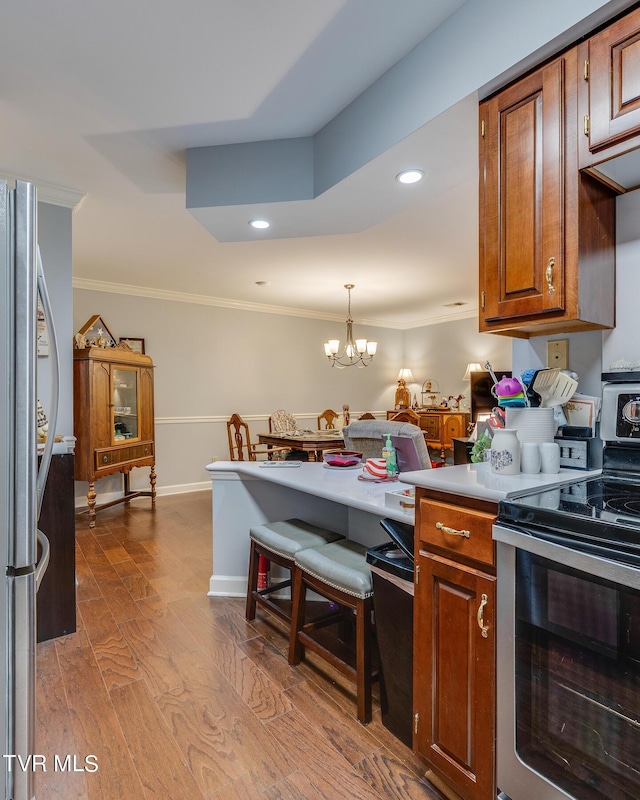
[
  {"x": 298, "y": 597},
  {"x": 252, "y": 581},
  {"x": 363, "y": 660}
]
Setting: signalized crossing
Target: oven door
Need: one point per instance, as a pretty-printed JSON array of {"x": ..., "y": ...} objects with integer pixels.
[{"x": 568, "y": 672}]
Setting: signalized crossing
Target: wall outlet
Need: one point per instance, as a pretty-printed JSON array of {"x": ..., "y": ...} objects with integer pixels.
[{"x": 558, "y": 353}]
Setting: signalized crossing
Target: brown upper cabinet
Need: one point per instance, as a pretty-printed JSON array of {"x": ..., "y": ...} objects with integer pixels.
[
  {"x": 609, "y": 98},
  {"x": 547, "y": 231}
]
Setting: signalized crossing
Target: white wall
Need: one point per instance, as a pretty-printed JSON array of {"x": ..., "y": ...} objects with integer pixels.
[
  {"x": 442, "y": 352},
  {"x": 211, "y": 362},
  {"x": 623, "y": 342}
]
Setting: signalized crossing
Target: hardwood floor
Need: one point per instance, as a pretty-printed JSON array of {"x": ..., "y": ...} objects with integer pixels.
[{"x": 177, "y": 696}]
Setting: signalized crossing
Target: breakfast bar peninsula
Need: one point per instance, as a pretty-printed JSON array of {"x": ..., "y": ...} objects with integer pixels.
[{"x": 247, "y": 493}]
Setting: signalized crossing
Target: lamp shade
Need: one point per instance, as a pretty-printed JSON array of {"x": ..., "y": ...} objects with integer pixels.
[
  {"x": 405, "y": 375},
  {"x": 472, "y": 367}
]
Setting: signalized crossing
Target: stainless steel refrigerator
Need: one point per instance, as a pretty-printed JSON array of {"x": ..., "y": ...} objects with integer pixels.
[{"x": 23, "y": 548}]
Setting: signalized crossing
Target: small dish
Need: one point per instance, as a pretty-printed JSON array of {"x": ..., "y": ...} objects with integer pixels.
[{"x": 342, "y": 458}]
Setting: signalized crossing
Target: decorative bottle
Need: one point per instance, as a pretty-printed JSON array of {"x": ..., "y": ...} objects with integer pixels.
[
  {"x": 389, "y": 455},
  {"x": 505, "y": 452}
]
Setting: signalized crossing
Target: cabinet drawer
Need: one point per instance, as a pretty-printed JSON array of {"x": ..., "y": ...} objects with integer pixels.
[
  {"x": 430, "y": 424},
  {"x": 457, "y": 531},
  {"x": 111, "y": 456}
]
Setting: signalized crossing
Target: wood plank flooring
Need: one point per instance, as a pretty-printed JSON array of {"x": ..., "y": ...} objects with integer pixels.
[{"x": 178, "y": 697}]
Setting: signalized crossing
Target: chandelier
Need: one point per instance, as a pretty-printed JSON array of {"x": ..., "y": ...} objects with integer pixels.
[{"x": 357, "y": 353}]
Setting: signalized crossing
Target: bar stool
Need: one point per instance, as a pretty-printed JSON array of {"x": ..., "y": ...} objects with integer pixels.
[
  {"x": 339, "y": 572},
  {"x": 279, "y": 542}
]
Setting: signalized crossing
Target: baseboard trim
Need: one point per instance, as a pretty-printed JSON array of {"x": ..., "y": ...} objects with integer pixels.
[
  {"x": 227, "y": 586},
  {"x": 161, "y": 491}
]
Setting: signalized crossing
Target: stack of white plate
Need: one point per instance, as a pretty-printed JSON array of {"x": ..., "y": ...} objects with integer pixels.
[{"x": 532, "y": 424}]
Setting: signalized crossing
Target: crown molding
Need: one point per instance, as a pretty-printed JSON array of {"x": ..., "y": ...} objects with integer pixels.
[
  {"x": 50, "y": 192},
  {"x": 221, "y": 302}
]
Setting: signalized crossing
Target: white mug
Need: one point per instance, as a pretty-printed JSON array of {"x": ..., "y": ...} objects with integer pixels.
[
  {"x": 530, "y": 459},
  {"x": 550, "y": 457}
]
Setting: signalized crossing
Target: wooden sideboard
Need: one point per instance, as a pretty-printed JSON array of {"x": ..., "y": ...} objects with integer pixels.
[{"x": 441, "y": 426}]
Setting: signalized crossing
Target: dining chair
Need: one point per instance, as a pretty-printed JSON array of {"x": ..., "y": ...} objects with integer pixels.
[
  {"x": 407, "y": 415},
  {"x": 329, "y": 417},
  {"x": 367, "y": 436},
  {"x": 282, "y": 421},
  {"x": 240, "y": 445}
]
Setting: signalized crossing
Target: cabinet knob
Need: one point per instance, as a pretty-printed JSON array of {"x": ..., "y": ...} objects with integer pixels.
[
  {"x": 146, "y": 451},
  {"x": 549, "y": 275},
  {"x": 105, "y": 459}
]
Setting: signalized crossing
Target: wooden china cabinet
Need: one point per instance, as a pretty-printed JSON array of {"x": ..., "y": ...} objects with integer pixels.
[
  {"x": 454, "y": 642},
  {"x": 113, "y": 418}
]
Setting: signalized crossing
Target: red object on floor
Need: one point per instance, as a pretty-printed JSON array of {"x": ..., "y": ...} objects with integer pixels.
[
  {"x": 264, "y": 566},
  {"x": 435, "y": 464}
]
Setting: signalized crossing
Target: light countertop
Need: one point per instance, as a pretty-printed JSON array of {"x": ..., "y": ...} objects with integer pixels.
[
  {"x": 477, "y": 480},
  {"x": 313, "y": 478}
]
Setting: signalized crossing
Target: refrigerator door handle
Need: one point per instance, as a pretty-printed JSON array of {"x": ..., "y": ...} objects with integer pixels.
[
  {"x": 55, "y": 384},
  {"x": 43, "y": 563}
]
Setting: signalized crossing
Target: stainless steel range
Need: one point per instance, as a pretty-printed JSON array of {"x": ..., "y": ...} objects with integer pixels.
[{"x": 568, "y": 626}]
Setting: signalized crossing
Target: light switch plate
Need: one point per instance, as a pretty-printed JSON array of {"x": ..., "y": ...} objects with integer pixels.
[{"x": 558, "y": 353}]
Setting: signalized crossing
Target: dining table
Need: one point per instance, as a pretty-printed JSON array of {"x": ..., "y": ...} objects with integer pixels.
[{"x": 309, "y": 441}]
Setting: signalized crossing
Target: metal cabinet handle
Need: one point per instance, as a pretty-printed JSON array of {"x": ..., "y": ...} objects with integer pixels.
[
  {"x": 452, "y": 531},
  {"x": 484, "y": 628},
  {"x": 549, "y": 275}
]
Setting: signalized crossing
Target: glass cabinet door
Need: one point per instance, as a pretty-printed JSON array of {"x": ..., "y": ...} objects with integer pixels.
[{"x": 124, "y": 384}]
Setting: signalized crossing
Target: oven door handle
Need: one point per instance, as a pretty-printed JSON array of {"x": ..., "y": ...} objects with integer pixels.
[{"x": 613, "y": 571}]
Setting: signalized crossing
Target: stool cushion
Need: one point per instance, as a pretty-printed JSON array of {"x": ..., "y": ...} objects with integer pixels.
[
  {"x": 290, "y": 535},
  {"x": 341, "y": 564}
]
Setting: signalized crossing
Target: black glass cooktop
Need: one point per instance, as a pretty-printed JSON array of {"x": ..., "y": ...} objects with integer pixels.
[{"x": 600, "y": 514}]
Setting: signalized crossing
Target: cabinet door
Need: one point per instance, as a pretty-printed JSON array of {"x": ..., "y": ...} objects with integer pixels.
[
  {"x": 454, "y": 675},
  {"x": 125, "y": 395},
  {"x": 614, "y": 83},
  {"x": 430, "y": 424},
  {"x": 454, "y": 427},
  {"x": 522, "y": 204}
]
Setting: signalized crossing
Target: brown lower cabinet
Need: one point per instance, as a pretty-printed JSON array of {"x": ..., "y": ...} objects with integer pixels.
[
  {"x": 56, "y": 598},
  {"x": 454, "y": 643}
]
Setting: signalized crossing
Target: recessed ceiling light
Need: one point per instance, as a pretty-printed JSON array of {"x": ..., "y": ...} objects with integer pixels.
[
  {"x": 410, "y": 176},
  {"x": 259, "y": 224}
]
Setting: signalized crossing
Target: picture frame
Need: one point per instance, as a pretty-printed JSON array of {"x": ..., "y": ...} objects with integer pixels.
[{"x": 136, "y": 344}]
